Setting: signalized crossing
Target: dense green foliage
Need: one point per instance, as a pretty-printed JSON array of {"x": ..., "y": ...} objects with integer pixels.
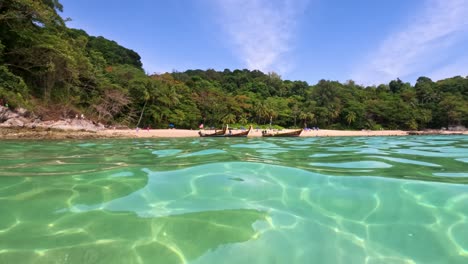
[{"x": 58, "y": 72}]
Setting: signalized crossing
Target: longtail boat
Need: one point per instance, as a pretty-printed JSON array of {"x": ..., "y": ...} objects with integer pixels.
[
  {"x": 294, "y": 133},
  {"x": 240, "y": 134},
  {"x": 226, "y": 132},
  {"x": 215, "y": 134}
]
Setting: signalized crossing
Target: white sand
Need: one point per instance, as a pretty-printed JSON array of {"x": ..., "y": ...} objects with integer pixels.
[{"x": 176, "y": 133}]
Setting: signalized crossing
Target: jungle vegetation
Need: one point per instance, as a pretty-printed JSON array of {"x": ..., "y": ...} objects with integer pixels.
[{"x": 56, "y": 72}]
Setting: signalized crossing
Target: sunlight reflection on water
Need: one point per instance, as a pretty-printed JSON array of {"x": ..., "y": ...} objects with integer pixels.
[{"x": 343, "y": 200}]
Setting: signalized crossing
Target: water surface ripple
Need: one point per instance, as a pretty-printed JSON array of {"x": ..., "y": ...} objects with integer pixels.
[{"x": 254, "y": 200}]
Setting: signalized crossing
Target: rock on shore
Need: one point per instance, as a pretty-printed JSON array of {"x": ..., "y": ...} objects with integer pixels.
[{"x": 21, "y": 118}]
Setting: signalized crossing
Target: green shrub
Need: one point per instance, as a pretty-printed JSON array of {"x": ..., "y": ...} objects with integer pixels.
[{"x": 13, "y": 90}]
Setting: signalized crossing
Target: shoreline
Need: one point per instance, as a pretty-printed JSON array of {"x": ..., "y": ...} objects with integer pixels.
[
  {"x": 41, "y": 133},
  {"x": 19, "y": 124}
]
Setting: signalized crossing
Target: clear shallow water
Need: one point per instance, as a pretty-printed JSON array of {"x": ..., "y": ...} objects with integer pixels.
[{"x": 305, "y": 200}]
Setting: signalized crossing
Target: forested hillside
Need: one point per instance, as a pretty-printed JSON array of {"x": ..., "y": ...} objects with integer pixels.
[{"x": 57, "y": 72}]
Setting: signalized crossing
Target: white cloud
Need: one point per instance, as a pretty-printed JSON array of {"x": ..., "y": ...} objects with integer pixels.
[
  {"x": 423, "y": 45},
  {"x": 262, "y": 31}
]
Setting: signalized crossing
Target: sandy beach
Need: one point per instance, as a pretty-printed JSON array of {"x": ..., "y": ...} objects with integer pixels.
[
  {"x": 26, "y": 133},
  {"x": 18, "y": 125},
  {"x": 175, "y": 133}
]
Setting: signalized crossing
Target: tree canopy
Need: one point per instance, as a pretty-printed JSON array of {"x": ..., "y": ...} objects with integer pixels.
[{"x": 56, "y": 72}]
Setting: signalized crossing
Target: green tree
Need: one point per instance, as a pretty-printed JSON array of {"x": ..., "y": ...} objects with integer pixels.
[
  {"x": 350, "y": 117},
  {"x": 306, "y": 117}
]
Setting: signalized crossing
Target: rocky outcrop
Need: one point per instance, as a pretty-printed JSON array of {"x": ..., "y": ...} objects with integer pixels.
[{"x": 21, "y": 118}]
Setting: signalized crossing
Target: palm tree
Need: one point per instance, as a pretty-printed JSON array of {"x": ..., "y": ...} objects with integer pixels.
[
  {"x": 261, "y": 111},
  {"x": 305, "y": 116},
  {"x": 350, "y": 117},
  {"x": 229, "y": 118},
  {"x": 243, "y": 119},
  {"x": 272, "y": 114}
]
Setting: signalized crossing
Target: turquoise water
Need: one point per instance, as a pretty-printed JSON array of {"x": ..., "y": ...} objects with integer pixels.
[{"x": 233, "y": 200}]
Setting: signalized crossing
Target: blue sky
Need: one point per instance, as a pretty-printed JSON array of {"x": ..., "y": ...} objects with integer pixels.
[{"x": 368, "y": 41}]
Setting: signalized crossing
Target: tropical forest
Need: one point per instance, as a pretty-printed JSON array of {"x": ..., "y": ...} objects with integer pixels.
[{"x": 58, "y": 72}]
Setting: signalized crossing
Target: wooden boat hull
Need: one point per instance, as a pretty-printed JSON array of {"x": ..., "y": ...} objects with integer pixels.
[
  {"x": 223, "y": 133},
  {"x": 295, "y": 133},
  {"x": 215, "y": 134},
  {"x": 240, "y": 134}
]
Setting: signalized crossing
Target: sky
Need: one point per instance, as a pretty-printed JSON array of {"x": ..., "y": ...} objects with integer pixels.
[{"x": 370, "y": 42}]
